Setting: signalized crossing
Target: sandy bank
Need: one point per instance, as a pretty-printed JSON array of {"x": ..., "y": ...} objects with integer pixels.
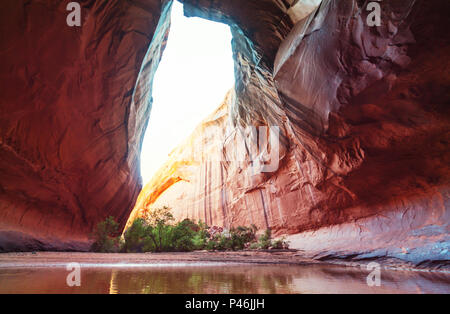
[{"x": 291, "y": 257}]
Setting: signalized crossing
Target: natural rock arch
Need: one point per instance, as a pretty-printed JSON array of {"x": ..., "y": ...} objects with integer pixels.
[{"x": 362, "y": 113}]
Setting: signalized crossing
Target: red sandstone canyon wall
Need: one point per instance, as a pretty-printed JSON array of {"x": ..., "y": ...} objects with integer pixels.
[
  {"x": 72, "y": 117},
  {"x": 362, "y": 112}
]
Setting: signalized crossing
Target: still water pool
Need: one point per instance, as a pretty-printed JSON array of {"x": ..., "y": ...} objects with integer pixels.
[{"x": 202, "y": 278}]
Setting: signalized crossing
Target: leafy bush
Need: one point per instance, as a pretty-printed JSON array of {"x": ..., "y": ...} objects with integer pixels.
[
  {"x": 199, "y": 241},
  {"x": 242, "y": 236},
  {"x": 280, "y": 244},
  {"x": 201, "y": 236},
  {"x": 181, "y": 236},
  {"x": 136, "y": 238},
  {"x": 155, "y": 232},
  {"x": 264, "y": 241},
  {"x": 220, "y": 242},
  {"x": 158, "y": 216},
  {"x": 105, "y": 235},
  {"x": 234, "y": 239}
]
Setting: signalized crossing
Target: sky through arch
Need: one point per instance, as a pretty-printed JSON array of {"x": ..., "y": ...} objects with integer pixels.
[{"x": 193, "y": 77}]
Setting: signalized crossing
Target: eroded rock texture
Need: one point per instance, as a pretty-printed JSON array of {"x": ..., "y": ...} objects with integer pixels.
[
  {"x": 362, "y": 113},
  {"x": 72, "y": 116},
  {"x": 364, "y": 121}
]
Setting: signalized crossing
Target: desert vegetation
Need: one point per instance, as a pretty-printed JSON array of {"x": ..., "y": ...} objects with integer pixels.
[{"x": 157, "y": 231}]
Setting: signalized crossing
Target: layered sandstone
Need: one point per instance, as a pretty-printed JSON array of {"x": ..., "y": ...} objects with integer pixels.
[{"x": 364, "y": 156}]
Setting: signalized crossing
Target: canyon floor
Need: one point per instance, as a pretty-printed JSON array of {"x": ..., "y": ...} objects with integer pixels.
[{"x": 268, "y": 257}]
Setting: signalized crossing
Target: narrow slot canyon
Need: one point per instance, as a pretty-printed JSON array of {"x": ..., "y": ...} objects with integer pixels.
[{"x": 353, "y": 119}]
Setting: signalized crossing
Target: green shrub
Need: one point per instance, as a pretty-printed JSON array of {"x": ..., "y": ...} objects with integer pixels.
[
  {"x": 211, "y": 245},
  {"x": 158, "y": 216},
  {"x": 225, "y": 243},
  {"x": 264, "y": 240},
  {"x": 220, "y": 242},
  {"x": 188, "y": 236},
  {"x": 201, "y": 236},
  {"x": 278, "y": 244},
  {"x": 155, "y": 233},
  {"x": 106, "y": 238},
  {"x": 236, "y": 239},
  {"x": 136, "y": 237},
  {"x": 243, "y": 236},
  {"x": 199, "y": 241}
]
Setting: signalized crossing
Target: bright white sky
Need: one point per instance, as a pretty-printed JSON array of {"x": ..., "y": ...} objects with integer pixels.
[{"x": 194, "y": 75}]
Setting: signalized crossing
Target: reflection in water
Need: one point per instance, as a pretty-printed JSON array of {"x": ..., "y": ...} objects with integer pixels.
[
  {"x": 219, "y": 279},
  {"x": 113, "y": 288}
]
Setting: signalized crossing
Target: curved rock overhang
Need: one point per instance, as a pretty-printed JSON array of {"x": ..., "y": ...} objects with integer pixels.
[
  {"x": 72, "y": 117},
  {"x": 364, "y": 139},
  {"x": 362, "y": 111}
]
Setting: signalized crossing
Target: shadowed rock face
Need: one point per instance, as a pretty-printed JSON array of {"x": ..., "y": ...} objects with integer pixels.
[
  {"x": 72, "y": 117},
  {"x": 362, "y": 112}
]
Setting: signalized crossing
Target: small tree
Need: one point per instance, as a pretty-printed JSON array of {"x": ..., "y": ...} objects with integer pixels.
[
  {"x": 158, "y": 216},
  {"x": 134, "y": 236},
  {"x": 106, "y": 238},
  {"x": 158, "y": 221},
  {"x": 201, "y": 236},
  {"x": 265, "y": 240},
  {"x": 183, "y": 234}
]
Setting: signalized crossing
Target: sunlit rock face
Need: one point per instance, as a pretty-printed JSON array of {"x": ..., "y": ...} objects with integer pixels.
[{"x": 362, "y": 112}]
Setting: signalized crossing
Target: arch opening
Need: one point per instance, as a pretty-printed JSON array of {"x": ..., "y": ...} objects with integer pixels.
[{"x": 195, "y": 72}]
